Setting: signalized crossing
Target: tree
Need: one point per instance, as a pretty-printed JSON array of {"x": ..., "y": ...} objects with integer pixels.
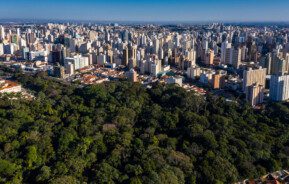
[{"x": 31, "y": 156}]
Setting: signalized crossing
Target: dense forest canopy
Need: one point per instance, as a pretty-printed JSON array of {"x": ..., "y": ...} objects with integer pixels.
[{"x": 120, "y": 132}]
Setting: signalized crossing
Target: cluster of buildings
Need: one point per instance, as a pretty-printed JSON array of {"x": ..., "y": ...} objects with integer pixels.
[
  {"x": 96, "y": 75},
  {"x": 246, "y": 59},
  {"x": 278, "y": 177}
]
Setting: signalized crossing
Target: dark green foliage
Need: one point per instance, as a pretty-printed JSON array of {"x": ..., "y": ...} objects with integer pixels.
[{"x": 124, "y": 133}]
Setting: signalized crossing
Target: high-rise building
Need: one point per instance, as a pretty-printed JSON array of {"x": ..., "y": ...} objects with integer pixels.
[
  {"x": 254, "y": 85},
  {"x": 177, "y": 40},
  {"x": 132, "y": 75},
  {"x": 25, "y": 53},
  {"x": 125, "y": 36},
  {"x": 1, "y": 49},
  {"x": 243, "y": 53},
  {"x": 225, "y": 52},
  {"x": 59, "y": 71},
  {"x": 218, "y": 80},
  {"x": 9, "y": 49},
  {"x": 279, "y": 87},
  {"x": 205, "y": 44},
  {"x": 206, "y": 77},
  {"x": 253, "y": 76},
  {"x": 101, "y": 59},
  {"x": 255, "y": 94},
  {"x": 287, "y": 63},
  {"x": 2, "y": 33},
  {"x": 235, "y": 57},
  {"x": 132, "y": 52},
  {"x": 279, "y": 66},
  {"x": 190, "y": 55},
  {"x": 143, "y": 40},
  {"x": 125, "y": 57},
  {"x": 156, "y": 46},
  {"x": 30, "y": 38},
  {"x": 193, "y": 72},
  {"x": 58, "y": 55},
  {"x": 144, "y": 66},
  {"x": 70, "y": 69},
  {"x": 209, "y": 57},
  {"x": 268, "y": 63},
  {"x": 161, "y": 54},
  {"x": 155, "y": 67},
  {"x": 77, "y": 61},
  {"x": 18, "y": 31},
  {"x": 131, "y": 63},
  {"x": 227, "y": 56}
]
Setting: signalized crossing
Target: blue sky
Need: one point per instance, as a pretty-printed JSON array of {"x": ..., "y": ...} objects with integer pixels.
[{"x": 148, "y": 10}]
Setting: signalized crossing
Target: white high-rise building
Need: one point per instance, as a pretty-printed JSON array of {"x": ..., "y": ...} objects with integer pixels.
[
  {"x": 84, "y": 62},
  {"x": 77, "y": 61},
  {"x": 18, "y": 32},
  {"x": 256, "y": 76},
  {"x": 177, "y": 40},
  {"x": 279, "y": 87},
  {"x": 1, "y": 49},
  {"x": 156, "y": 46},
  {"x": 155, "y": 67},
  {"x": 225, "y": 52},
  {"x": 2, "y": 33},
  {"x": 143, "y": 40}
]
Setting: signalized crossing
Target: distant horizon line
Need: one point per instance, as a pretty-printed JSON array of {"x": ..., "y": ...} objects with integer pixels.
[{"x": 47, "y": 20}]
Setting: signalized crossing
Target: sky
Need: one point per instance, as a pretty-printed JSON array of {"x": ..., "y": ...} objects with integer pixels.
[{"x": 147, "y": 10}]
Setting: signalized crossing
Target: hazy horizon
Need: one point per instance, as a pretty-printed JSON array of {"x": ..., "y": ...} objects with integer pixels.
[{"x": 149, "y": 11}]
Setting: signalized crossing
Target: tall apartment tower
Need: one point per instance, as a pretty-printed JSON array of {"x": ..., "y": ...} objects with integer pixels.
[
  {"x": 253, "y": 76},
  {"x": 286, "y": 56},
  {"x": 255, "y": 94},
  {"x": 209, "y": 57},
  {"x": 59, "y": 71},
  {"x": 125, "y": 57},
  {"x": 268, "y": 63},
  {"x": 235, "y": 57},
  {"x": 155, "y": 67},
  {"x": 2, "y": 33},
  {"x": 132, "y": 51},
  {"x": 132, "y": 75},
  {"x": 243, "y": 53},
  {"x": 156, "y": 43},
  {"x": 279, "y": 87},
  {"x": 225, "y": 52},
  {"x": 279, "y": 66},
  {"x": 193, "y": 72}
]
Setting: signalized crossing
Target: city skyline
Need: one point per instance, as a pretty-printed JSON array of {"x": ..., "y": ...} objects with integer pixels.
[
  {"x": 144, "y": 92},
  {"x": 167, "y": 11}
]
